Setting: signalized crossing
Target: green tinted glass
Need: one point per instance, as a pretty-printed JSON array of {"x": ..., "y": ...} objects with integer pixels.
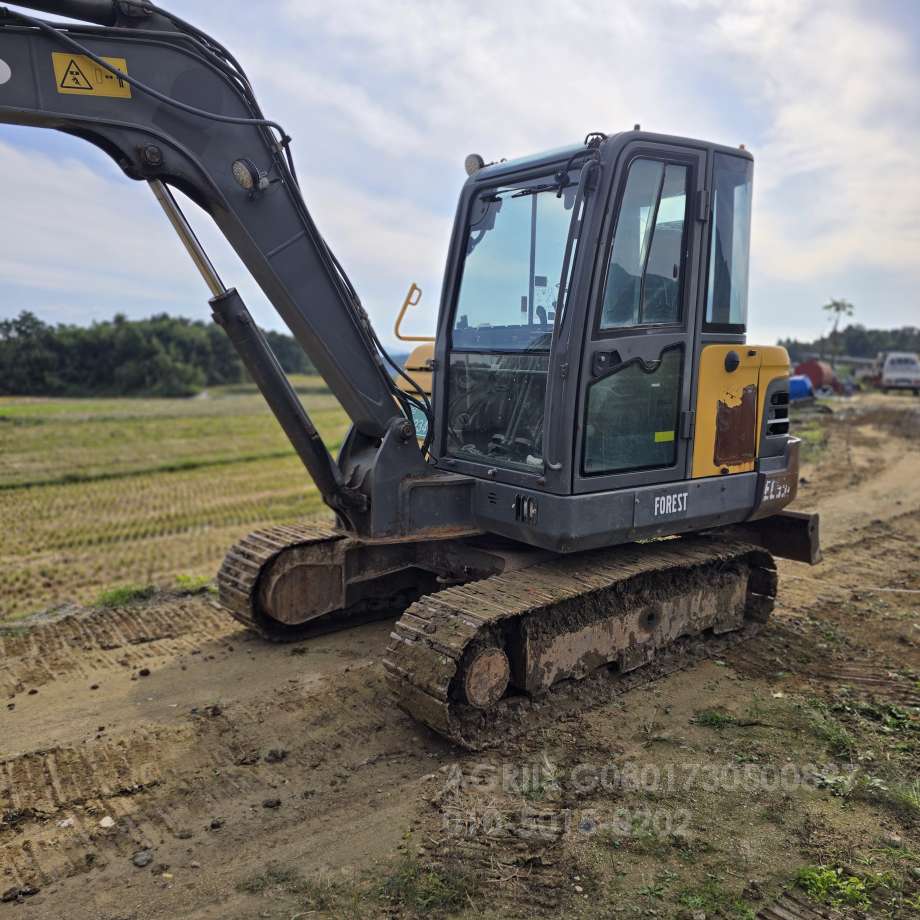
[{"x": 633, "y": 416}]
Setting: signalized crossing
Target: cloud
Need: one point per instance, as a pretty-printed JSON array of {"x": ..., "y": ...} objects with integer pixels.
[
  {"x": 67, "y": 228},
  {"x": 838, "y": 187},
  {"x": 80, "y": 242},
  {"x": 513, "y": 77},
  {"x": 824, "y": 94},
  {"x": 385, "y": 98}
]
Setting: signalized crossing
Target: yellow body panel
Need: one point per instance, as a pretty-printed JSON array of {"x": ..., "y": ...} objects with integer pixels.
[
  {"x": 723, "y": 395},
  {"x": 418, "y": 367}
]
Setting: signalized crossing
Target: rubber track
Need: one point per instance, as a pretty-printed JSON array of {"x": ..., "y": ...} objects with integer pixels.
[
  {"x": 429, "y": 639},
  {"x": 238, "y": 578}
]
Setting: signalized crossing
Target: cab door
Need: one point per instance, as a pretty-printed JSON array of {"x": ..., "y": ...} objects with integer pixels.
[{"x": 634, "y": 413}]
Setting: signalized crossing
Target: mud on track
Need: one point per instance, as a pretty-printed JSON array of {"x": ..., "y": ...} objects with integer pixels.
[{"x": 184, "y": 759}]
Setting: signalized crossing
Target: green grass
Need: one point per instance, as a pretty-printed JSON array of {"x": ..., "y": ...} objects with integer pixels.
[
  {"x": 425, "y": 889},
  {"x": 312, "y": 894},
  {"x": 273, "y": 877},
  {"x": 813, "y": 435},
  {"x": 832, "y": 886},
  {"x": 714, "y": 718},
  {"x": 60, "y": 441},
  {"x": 124, "y": 595},
  {"x": 901, "y": 798},
  {"x": 906, "y": 798},
  {"x": 407, "y": 888},
  {"x": 195, "y": 584},
  {"x": 714, "y": 900},
  {"x": 821, "y": 723}
]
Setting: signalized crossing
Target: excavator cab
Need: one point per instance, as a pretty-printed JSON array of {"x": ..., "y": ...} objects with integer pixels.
[{"x": 591, "y": 371}]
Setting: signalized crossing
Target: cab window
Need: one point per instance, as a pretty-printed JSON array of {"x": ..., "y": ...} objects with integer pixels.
[
  {"x": 510, "y": 290},
  {"x": 511, "y": 274},
  {"x": 729, "y": 244},
  {"x": 645, "y": 269},
  {"x": 632, "y": 417}
]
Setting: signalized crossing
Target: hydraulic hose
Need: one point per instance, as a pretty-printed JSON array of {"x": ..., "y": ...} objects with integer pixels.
[{"x": 101, "y": 12}]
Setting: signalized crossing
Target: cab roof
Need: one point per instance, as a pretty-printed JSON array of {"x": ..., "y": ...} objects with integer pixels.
[{"x": 502, "y": 168}]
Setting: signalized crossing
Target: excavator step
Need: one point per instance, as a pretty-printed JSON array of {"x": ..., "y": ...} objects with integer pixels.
[{"x": 483, "y": 661}]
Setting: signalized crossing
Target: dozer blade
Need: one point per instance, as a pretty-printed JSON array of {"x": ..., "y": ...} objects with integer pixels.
[{"x": 486, "y": 660}]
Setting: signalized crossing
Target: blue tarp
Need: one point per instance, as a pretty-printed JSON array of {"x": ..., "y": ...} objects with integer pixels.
[{"x": 800, "y": 387}]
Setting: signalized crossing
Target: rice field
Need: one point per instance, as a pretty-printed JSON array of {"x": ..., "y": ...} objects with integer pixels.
[{"x": 95, "y": 494}]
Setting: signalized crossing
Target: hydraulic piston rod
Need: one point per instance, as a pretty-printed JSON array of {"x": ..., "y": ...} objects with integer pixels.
[
  {"x": 260, "y": 361},
  {"x": 187, "y": 236}
]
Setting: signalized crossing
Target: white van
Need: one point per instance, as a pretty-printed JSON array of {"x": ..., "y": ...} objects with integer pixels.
[{"x": 901, "y": 371}]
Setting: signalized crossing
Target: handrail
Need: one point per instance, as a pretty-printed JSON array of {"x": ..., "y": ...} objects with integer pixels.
[{"x": 410, "y": 301}]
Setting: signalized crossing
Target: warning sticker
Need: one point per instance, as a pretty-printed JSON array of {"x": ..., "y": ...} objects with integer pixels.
[{"x": 82, "y": 76}]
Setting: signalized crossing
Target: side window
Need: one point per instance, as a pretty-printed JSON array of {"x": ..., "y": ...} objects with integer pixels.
[
  {"x": 633, "y": 416},
  {"x": 645, "y": 273},
  {"x": 730, "y": 243}
]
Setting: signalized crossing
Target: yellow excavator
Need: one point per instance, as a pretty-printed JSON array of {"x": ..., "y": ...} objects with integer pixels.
[{"x": 578, "y": 485}]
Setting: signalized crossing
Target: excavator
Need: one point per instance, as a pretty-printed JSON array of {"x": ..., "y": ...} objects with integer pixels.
[{"x": 579, "y": 485}]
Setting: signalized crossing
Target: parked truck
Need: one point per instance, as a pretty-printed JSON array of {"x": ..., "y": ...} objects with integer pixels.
[{"x": 901, "y": 371}]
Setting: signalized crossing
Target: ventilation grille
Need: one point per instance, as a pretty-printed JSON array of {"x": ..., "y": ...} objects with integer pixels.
[{"x": 778, "y": 414}]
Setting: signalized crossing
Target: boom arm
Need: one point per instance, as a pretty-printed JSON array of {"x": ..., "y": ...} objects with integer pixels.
[{"x": 170, "y": 105}]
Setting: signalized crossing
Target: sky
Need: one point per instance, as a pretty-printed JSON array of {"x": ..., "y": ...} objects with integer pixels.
[{"x": 385, "y": 98}]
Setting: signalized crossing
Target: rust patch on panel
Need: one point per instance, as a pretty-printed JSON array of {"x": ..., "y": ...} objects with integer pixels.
[{"x": 736, "y": 429}]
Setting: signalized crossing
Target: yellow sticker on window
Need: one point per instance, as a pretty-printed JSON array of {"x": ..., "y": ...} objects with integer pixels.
[
  {"x": 662, "y": 436},
  {"x": 78, "y": 75}
]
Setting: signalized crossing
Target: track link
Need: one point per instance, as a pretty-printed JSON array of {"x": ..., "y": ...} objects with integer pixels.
[
  {"x": 436, "y": 637},
  {"x": 238, "y": 578}
]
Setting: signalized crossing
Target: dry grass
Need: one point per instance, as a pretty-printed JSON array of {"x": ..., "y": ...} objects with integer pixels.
[{"x": 97, "y": 494}]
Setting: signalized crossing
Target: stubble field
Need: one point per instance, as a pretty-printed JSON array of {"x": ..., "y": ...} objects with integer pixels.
[{"x": 104, "y": 494}]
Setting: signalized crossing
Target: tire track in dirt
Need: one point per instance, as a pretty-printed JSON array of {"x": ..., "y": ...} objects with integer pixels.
[
  {"x": 164, "y": 785},
  {"x": 877, "y": 565},
  {"x": 96, "y": 641}
]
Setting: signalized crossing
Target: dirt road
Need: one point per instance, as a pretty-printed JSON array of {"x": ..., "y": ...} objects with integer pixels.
[{"x": 157, "y": 761}]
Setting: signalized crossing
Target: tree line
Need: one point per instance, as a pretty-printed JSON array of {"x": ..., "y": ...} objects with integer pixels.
[
  {"x": 856, "y": 341},
  {"x": 160, "y": 356}
]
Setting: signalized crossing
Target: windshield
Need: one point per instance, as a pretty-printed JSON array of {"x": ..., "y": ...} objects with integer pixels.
[
  {"x": 503, "y": 322},
  {"x": 511, "y": 275}
]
